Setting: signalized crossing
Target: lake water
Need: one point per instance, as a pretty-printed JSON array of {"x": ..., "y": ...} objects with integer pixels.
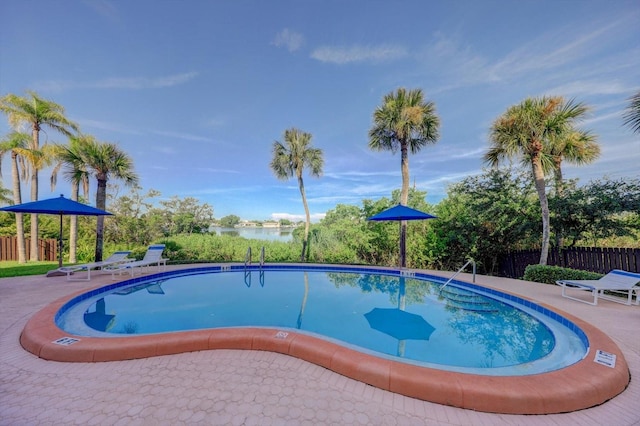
[{"x": 269, "y": 234}]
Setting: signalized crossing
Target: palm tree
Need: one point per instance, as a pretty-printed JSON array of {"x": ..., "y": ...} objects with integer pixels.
[
  {"x": 405, "y": 122},
  {"x": 35, "y": 112},
  {"x": 290, "y": 159},
  {"x": 16, "y": 143},
  {"x": 632, "y": 113},
  {"x": 105, "y": 161},
  {"x": 70, "y": 156},
  {"x": 578, "y": 147},
  {"x": 527, "y": 131}
]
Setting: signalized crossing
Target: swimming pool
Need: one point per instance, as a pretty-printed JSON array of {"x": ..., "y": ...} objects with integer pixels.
[
  {"x": 387, "y": 314},
  {"x": 581, "y": 384}
]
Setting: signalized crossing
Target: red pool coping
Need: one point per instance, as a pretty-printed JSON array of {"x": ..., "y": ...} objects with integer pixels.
[{"x": 582, "y": 385}]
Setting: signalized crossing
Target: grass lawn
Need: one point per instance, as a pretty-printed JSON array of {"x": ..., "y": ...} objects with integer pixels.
[{"x": 10, "y": 268}]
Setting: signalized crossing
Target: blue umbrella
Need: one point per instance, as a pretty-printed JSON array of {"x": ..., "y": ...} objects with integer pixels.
[
  {"x": 399, "y": 324},
  {"x": 57, "y": 206},
  {"x": 401, "y": 213}
]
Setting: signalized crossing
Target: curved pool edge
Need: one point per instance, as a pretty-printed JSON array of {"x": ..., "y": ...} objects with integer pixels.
[{"x": 582, "y": 385}]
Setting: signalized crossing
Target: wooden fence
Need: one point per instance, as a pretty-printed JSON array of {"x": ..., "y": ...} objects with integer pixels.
[
  {"x": 47, "y": 248},
  {"x": 594, "y": 259}
]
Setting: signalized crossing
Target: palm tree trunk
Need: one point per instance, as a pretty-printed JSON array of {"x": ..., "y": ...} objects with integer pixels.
[
  {"x": 17, "y": 199},
  {"x": 404, "y": 199},
  {"x": 34, "y": 218},
  {"x": 35, "y": 133},
  {"x": 538, "y": 176},
  {"x": 305, "y": 241},
  {"x": 73, "y": 225},
  {"x": 101, "y": 203},
  {"x": 557, "y": 170}
]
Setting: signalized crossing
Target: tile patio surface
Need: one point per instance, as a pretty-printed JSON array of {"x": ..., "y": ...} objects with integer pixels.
[{"x": 235, "y": 387}]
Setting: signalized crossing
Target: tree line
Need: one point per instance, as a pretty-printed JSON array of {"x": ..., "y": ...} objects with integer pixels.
[{"x": 541, "y": 132}]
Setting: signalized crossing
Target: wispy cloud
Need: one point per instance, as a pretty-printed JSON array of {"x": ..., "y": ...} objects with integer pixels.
[
  {"x": 563, "y": 53},
  {"x": 345, "y": 55},
  {"x": 288, "y": 39},
  {"x": 214, "y": 170},
  {"x": 104, "y": 125},
  {"x": 184, "y": 136},
  {"x": 616, "y": 115},
  {"x": 215, "y": 122},
  {"x": 358, "y": 175},
  {"x": 131, "y": 83},
  {"x": 590, "y": 87},
  {"x": 104, "y": 8},
  {"x": 167, "y": 150}
]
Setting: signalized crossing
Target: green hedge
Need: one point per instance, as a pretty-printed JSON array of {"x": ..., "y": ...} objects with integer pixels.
[{"x": 551, "y": 274}]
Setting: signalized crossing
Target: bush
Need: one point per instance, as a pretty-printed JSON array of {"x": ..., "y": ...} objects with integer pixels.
[{"x": 551, "y": 274}]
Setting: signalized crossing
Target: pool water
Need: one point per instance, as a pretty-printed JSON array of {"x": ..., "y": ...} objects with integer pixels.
[{"x": 405, "y": 318}]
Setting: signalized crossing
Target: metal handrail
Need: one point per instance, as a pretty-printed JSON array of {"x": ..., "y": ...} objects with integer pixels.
[
  {"x": 261, "y": 257},
  {"x": 460, "y": 270},
  {"x": 247, "y": 258}
]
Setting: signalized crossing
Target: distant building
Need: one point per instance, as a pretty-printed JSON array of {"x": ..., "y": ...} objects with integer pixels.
[{"x": 246, "y": 224}]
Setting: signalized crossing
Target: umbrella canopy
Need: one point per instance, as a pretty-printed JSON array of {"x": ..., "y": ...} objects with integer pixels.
[
  {"x": 401, "y": 213},
  {"x": 399, "y": 324},
  {"x": 58, "y": 206}
]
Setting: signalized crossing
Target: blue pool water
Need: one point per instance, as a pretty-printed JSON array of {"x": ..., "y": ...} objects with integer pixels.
[{"x": 461, "y": 327}]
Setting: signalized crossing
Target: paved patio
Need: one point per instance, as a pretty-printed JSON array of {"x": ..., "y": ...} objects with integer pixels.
[{"x": 251, "y": 387}]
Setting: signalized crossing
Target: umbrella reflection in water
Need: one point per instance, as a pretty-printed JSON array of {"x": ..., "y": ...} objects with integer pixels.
[
  {"x": 99, "y": 319},
  {"x": 398, "y": 323}
]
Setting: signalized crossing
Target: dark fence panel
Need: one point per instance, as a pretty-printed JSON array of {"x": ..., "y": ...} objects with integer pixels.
[
  {"x": 594, "y": 259},
  {"x": 47, "y": 249}
]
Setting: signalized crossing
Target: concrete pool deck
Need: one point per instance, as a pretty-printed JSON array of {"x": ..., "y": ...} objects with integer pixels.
[{"x": 253, "y": 387}]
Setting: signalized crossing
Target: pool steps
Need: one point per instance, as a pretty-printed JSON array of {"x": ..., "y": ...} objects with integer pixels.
[{"x": 463, "y": 299}]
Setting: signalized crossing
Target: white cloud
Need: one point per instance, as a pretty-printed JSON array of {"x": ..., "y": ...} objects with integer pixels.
[
  {"x": 146, "y": 83},
  {"x": 184, "y": 136},
  {"x": 297, "y": 217},
  {"x": 134, "y": 83},
  {"x": 345, "y": 55},
  {"x": 291, "y": 40}
]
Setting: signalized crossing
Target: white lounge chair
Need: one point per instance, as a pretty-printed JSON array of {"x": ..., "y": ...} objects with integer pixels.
[
  {"x": 617, "y": 281},
  {"x": 115, "y": 259},
  {"x": 153, "y": 256}
]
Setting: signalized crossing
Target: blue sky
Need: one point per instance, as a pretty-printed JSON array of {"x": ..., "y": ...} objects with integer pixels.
[{"x": 197, "y": 91}]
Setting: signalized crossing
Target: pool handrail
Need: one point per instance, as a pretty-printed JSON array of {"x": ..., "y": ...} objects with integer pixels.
[
  {"x": 460, "y": 270},
  {"x": 247, "y": 258}
]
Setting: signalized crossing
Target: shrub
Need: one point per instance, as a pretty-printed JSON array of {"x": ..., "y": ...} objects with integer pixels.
[{"x": 551, "y": 274}]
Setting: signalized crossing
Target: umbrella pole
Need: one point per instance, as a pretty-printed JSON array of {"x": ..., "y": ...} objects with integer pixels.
[
  {"x": 403, "y": 245},
  {"x": 60, "y": 245}
]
